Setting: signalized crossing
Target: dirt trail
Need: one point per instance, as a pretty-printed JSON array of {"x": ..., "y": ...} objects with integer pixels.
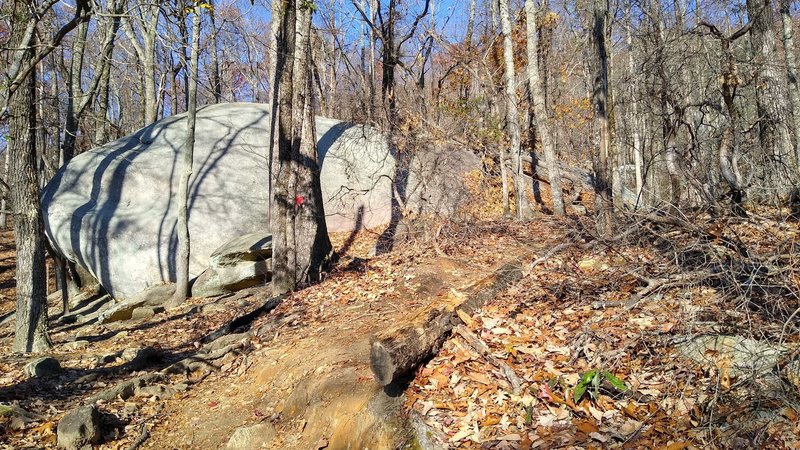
[{"x": 313, "y": 381}]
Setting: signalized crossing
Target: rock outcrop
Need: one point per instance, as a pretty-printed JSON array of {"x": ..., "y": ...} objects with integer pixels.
[{"x": 113, "y": 209}]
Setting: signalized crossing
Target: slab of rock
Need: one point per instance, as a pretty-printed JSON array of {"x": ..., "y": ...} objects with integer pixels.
[
  {"x": 125, "y": 389},
  {"x": 46, "y": 366},
  {"x": 238, "y": 264},
  {"x": 252, "y": 437},
  {"x": 79, "y": 428},
  {"x": 113, "y": 209},
  {"x": 154, "y": 296},
  {"x": 742, "y": 356},
  {"x": 145, "y": 312}
]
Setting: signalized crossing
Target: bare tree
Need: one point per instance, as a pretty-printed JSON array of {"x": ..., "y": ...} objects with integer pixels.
[
  {"x": 301, "y": 245},
  {"x": 602, "y": 105},
  {"x": 536, "y": 89},
  {"x": 146, "y": 16},
  {"x": 31, "y": 317},
  {"x": 791, "y": 73},
  {"x": 78, "y": 100},
  {"x": 771, "y": 103},
  {"x": 182, "y": 258},
  {"x": 524, "y": 209}
]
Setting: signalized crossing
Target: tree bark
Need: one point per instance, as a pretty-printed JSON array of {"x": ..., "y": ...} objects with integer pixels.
[
  {"x": 771, "y": 103},
  {"x": 791, "y": 74},
  {"x": 300, "y": 240},
  {"x": 78, "y": 100},
  {"x": 602, "y": 107},
  {"x": 216, "y": 82},
  {"x": 313, "y": 244},
  {"x": 147, "y": 18},
  {"x": 522, "y": 202},
  {"x": 536, "y": 88},
  {"x": 635, "y": 121},
  {"x": 184, "y": 239},
  {"x": 399, "y": 350},
  {"x": 31, "y": 319}
]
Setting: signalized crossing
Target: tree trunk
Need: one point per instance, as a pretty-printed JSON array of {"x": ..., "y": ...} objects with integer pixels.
[
  {"x": 216, "y": 82},
  {"x": 536, "y": 88},
  {"x": 101, "y": 113},
  {"x": 184, "y": 35},
  {"x": 75, "y": 93},
  {"x": 396, "y": 351},
  {"x": 6, "y": 194},
  {"x": 284, "y": 251},
  {"x": 635, "y": 121},
  {"x": 148, "y": 16},
  {"x": 313, "y": 244},
  {"x": 771, "y": 103},
  {"x": 601, "y": 102},
  {"x": 524, "y": 209},
  {"x": 300, "y": 240},
  {"x": 791, "y": 75},
  {"x": 182, "y": 258},
  {"x": 31, "y": 320}
]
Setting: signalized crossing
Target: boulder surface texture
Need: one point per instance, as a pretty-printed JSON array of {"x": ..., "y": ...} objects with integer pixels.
[
  {"x": 80, "y": 427},
  {"x": 113, "y": 209}
]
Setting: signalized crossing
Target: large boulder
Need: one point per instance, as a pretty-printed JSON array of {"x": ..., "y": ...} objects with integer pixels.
[{"x": 113, "y": 209}]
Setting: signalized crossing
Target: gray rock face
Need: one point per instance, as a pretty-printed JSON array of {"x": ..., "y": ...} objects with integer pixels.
[
  {"x": 79, "y": 427},
  {"x": 43, "y": 367},
  {"x": 238, "y": 264},
  {"x": 113, "y": 209}
]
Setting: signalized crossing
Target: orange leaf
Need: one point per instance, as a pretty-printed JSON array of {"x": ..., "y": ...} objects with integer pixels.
[
  {"x": 676, "y": 446},
  {"x": 586, "y": 426},
  {"x": 491, "y": 420}
]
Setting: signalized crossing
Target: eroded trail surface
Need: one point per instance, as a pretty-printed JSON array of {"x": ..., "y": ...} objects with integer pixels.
[
  {"x": 296, "y": 377},
  {"x": 308, "y": 383},
  {"x": 310, "y": 378}
]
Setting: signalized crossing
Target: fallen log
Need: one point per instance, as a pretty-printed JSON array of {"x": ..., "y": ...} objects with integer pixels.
[{"x": 399, "y": 350}]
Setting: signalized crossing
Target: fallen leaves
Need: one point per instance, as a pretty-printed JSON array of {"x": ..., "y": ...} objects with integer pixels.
[{"x": 546, "y": 328}]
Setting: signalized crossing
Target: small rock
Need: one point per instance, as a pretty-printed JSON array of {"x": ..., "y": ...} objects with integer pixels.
[
  {"x": 77, "y": 345},
  {"x": 43, "y": 367},
  {"x": 88, "y": 378},
  {"x": 158, "y": 391},
  {"x": 138, "y": 358},
  {"x": 130, "y": 409},
  {"x": 180, "y": 387},
  {"x": 105, "y": 359},
  {"x": 213, "y": 307},
  {"x": 79, "y": 427},
  {"x": 589, "y": 264},
  {"x": 251, "y": 437},
  {"x": 146, "y": 312}
]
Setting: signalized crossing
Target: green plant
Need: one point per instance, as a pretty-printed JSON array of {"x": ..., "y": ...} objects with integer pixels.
[{"x": 594, "y": 379}]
